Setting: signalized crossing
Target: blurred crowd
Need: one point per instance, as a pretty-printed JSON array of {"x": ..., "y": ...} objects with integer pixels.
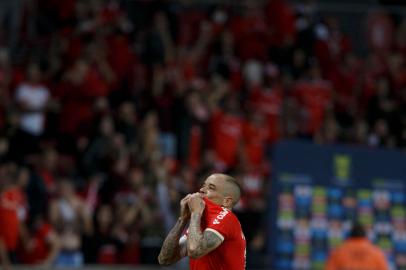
[{"x": 111, "y": 111}]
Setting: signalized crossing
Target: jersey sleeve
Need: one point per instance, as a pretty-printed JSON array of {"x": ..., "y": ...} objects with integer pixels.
[{"x": 221, "y": 223}]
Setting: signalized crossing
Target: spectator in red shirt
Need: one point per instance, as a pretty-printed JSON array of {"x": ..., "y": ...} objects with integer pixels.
[
  {"x": 331, "y": 44},
  {"x": 43, "y": 244},
  {"x": 226, "y": 132},
  {"x": 281, "y": 20},
  {"x": 12, "y": 209},
  {"x": 255, "y": 134},
  {"x": 268, "y": 101},
  {"x": 250, "y": 32},
  {"x": 81, "y": 88},
  {"x": 314, "y": 95}
]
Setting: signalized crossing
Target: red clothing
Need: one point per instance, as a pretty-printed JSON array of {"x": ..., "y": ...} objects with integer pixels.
[
  {"x": 231, "y": 253},
  {"x": 380, "y": 31},
  {"x": 195, "y": 147},
  {"x": 253, "y": 184},
  {"x": 11, "y": 201},
  {"x": 49, "y": 179},
  {"x": 269, "y": 102},
  {"x": 344, "y": 81},
  {"x": 250, "y": 36},
  {"x": 254, "y": 143},
  {"x": 314, "y": 97},
  {"x": 120, "y": 56},
  {"x": 77, "y": 110},
  {"x": 189, "y": 22},
  {"x": 330, "y": 52},
  {"x": 40, "y": 250},
  {"x": 281, "y": 19},
  {"x": 226, "y": 136}
]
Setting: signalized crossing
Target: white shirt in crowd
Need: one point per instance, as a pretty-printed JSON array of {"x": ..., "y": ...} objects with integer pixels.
[{"x": 35, "y": 97}]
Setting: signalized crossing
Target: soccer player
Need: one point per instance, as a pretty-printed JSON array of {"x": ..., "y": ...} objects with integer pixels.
[{"x": 214, "y": 239}]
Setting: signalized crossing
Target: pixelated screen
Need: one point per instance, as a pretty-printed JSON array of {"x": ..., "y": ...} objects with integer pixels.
[{"x": 318, "y": 191}]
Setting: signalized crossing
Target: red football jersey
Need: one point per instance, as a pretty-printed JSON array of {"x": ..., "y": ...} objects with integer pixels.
[{"x": 231, "y": 253}]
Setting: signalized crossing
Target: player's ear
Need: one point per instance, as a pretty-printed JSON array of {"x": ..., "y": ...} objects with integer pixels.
[{"x": 228, "y": 202}]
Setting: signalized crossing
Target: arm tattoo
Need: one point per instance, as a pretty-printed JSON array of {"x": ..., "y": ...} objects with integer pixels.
[
  {"x": 198, "y": 243},
  {"x": 171, "y": 250}
]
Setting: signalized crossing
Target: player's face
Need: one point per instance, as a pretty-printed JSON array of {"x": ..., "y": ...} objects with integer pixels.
[{"x": 212, "y": 190}]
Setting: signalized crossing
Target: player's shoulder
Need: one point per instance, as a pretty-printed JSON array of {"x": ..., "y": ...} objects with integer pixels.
[
  {"x": 377, "y": 251},
  {"x": 228, "y": 216},
  {"x": 219, "y": 213}
]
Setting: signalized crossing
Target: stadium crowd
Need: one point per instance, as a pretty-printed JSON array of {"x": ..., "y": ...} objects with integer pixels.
[{"x": 111, "y": 111}]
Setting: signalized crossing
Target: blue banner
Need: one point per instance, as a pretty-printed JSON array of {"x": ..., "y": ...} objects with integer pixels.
[{"x": 316, "y": 193}]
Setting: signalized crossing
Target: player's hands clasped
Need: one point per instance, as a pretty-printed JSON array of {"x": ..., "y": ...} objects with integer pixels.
[
  {"x": 184, "y": 209},
  {"x": 196, "y": 203}
]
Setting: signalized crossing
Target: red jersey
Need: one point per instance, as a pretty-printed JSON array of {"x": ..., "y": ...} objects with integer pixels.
[
  {"x": 231, "y": 253},
  {"x": 254, "y": 143},
  {"x": 270, "y": 104},
  {"x": 40, "y": 250},
  {"x": 226, "y": 134},
  {"x": 314, "y": 97},
  {"x": 11, "y": 206}
]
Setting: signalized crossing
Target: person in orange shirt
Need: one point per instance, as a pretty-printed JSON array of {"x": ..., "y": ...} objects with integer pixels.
[{"x": 357, "y": 252}]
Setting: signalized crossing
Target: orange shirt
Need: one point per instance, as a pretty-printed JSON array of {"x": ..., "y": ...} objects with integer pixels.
[{"x": 357, "y": 254}]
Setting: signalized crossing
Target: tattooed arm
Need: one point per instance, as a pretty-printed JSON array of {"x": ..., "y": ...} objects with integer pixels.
[
  {"x": 200, "y": 243},
  {"x": 172, "y": 250}
]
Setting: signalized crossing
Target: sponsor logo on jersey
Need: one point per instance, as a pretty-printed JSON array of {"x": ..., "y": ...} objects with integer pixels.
[{"x": 220, "y": 216}]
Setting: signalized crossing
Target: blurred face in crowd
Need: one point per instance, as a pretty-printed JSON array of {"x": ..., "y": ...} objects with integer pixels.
[
  {"x": 127, "y": 112},
  {"x": 66, "y": 188},
  {"x": 106, "y": 126},
  {"x": 79, "y": 71},
  {"x": 151, "y": 121},
  {"x": 23, "y": 177},
  {"x": 136, "y": 178},
  {"x": 34, "y": 73},
  {"x": 381, "y": 127},
  {"x": 4, "y": 175},
  {"x": 105, "y": 216},
  {"x": 4, "y": 145},
  {"x": 50, "y": 159}
]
